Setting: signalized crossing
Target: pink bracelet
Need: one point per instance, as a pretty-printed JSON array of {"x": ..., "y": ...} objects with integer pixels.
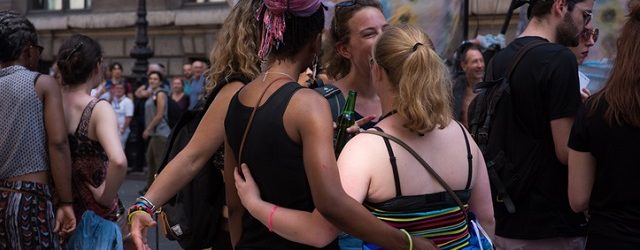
[{"x": 270, "y": 224}]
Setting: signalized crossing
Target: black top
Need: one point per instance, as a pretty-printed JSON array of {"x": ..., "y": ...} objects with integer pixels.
[
  {"x": 459, "y": 87},
  {"x": 615, "y": 200},
  {"x": 276, "y": 164},
  {"x": 544, "y": 87}
]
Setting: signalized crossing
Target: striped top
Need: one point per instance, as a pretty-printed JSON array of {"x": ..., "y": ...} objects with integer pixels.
[
  {"x": 446, "y": 227},
  {"x": 434, "y": 216}
]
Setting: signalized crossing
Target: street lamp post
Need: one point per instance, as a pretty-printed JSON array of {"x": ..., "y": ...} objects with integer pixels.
[{"x": 140, "y": 51}]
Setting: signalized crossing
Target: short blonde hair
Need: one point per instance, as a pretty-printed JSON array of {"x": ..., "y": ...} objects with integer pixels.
[{"x": 418, "y": 74}]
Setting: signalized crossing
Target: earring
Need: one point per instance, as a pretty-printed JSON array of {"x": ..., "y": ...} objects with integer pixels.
[{"x": 314, "y": 66}]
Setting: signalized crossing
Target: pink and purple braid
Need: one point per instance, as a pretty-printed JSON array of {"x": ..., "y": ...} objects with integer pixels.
[{"x": 274, "y": 23}]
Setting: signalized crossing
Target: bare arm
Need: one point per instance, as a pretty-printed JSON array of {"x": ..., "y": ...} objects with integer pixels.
[
  {"x": 582, "y": 168},
  {"x": 106, "y": 131},
  {"x": 205, "y": 141},
  {"x": 480, "y": 202},
  {"x": 314, "y": 125},
  {"x": 142, "y": 92},
  {"x": 560, "y": 129},
  {"x": 58, "y": 147},
  {"x": 59, "y": 154},
  {"x": 308, "y": 228}
]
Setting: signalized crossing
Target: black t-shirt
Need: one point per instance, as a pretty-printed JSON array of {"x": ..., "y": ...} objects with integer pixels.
[
  {"x": 615, "y": 200},
  {"x": 543, "y": 88}
]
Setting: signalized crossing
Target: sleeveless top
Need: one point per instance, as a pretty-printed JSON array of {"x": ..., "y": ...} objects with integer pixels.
[
  {"x": 89, "y": 165},
  {"x": 275, "y": 162},
  {"x": 162, "y": 128},
  {"x": 23, "y": 146},
  {"x": 435, "y": 216}
]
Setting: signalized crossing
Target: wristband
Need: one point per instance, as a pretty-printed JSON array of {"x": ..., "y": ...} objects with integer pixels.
[
  {"x": 270, "y": 223},
  {"x": 409, "y": 237}
]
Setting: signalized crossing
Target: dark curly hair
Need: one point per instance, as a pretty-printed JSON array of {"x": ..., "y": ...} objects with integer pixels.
[
  {"x": 77, "y": 59},
  {"x": 16, "y": 32}
]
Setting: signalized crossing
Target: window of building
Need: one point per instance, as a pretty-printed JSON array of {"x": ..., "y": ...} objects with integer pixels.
[{"x": 59, "y": 5}]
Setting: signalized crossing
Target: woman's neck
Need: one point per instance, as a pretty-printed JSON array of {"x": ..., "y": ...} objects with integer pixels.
[
  {"x": 358, "y": 82},
  {"x": 282, "y": 69}
]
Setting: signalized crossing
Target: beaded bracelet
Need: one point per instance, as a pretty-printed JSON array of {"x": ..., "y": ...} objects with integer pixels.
[
  {"x": 136, "y": 208},
  {"x": 146, "y": 201}
]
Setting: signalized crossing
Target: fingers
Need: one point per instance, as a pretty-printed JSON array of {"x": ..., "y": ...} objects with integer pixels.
[
  {"x": 365, "y": 120},
  {"x": 246, "y": 172},
  {"x": 56, "y": 227}
]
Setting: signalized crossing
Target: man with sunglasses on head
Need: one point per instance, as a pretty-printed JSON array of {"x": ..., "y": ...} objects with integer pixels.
[
  {"x": 544, "y": 103},
  {"x": 588, "y": 38}
]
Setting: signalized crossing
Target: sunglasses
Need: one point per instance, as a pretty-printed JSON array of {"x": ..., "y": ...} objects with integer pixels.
[
  {"x": 339, "y": 7},
  {"x": 590, "y": 34},
  {"x": 40, "y": 48},
  {"x": 586, "y": 15}
]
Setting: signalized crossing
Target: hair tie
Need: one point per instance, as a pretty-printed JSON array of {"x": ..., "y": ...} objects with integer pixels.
[{"x": 415, "y": 46}]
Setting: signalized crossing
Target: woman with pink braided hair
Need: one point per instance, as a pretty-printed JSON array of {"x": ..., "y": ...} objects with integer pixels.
[{"x": 283, "y": 132}]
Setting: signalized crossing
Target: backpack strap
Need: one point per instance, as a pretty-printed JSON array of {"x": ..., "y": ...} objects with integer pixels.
[
  {"x": 334, "y": 96},
  {"x": 424, "y": 164},
  {"x": 514, "y": 63},
  {"x": 253, "y": 113}
]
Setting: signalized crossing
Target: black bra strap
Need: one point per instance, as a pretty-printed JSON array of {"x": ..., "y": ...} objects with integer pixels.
[
  {"x": 394, "y": 165},
  {"x": 469, "y": 157}
]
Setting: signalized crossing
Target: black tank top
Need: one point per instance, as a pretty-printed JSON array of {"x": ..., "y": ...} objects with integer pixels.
[{"x": 275, "y": 162}]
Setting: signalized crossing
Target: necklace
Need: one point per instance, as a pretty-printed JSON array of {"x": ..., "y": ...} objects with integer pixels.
[{"x": 279, "y": 73}]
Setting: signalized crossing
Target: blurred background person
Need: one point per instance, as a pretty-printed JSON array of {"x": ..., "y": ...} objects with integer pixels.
[
  {"x": 123, "y": 106},
  {"x": 98, "y": 161},
  {"x": 472, "y": 64},
  {"x": 156, "y": 128},
  {"x": 604, "y": 146},
  {"x": 187, "y": 73},
  {"x": 197, "y": 84},
  {"x": 588, "y": 38},
  {"x": 34, "y": 148},
  {"x": 178, "y": 95}
]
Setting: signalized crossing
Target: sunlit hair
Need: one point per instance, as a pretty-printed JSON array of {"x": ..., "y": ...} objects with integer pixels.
[
  {"x": 419, "y": 76},
  {"x": 337, "y": 65},
  {"x": 236, "y": 46},
  {"x": 622, "y": 90}
]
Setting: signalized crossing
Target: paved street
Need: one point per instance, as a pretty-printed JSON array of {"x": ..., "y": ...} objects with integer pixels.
[{"x": 128, "y": 193}]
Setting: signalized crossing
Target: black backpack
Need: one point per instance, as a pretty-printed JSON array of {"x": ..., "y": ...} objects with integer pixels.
[
  {"x": 332, "y": 94},
  {"x": 192, "y": 216},
  {"x": 174, "y": 112},
  {"x": 491, "y": 123}
]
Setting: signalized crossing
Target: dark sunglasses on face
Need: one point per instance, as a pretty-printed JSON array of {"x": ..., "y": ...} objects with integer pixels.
[
  {"x": 345, "y": 4},
  {"x": 590, "y": 34},
  {"x": 587, "y": 14}
]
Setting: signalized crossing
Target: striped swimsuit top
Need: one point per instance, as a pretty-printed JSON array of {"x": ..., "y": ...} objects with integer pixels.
[{"x": 433, "y": 216}]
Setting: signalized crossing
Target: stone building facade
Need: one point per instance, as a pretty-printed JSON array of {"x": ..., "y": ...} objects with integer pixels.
[{"x": 179, "y": 31}]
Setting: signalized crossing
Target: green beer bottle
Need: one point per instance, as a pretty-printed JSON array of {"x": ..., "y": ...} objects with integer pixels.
[{"x": 345, "y": 120}]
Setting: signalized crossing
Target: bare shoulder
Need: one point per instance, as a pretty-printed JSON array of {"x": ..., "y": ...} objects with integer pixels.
[
  {"x": 309, "y": 100},
  {"x": 47, "y": 83}
]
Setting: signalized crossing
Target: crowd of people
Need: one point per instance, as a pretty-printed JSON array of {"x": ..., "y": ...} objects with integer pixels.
[{"x": 415, "y": 175}]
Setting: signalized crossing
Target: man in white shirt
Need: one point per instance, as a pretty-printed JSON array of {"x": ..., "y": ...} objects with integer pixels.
[{"x": 123, "y": 106}]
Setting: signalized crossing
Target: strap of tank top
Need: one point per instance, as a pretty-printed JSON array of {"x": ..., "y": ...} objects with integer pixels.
[
  {"x": 83, "y": 125},
  {"x": 394, "y": 164},
  {"x": 424, "y": 164},
  {"x": 469, "y": 157},
  {"x": 253, "y": 113}
]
